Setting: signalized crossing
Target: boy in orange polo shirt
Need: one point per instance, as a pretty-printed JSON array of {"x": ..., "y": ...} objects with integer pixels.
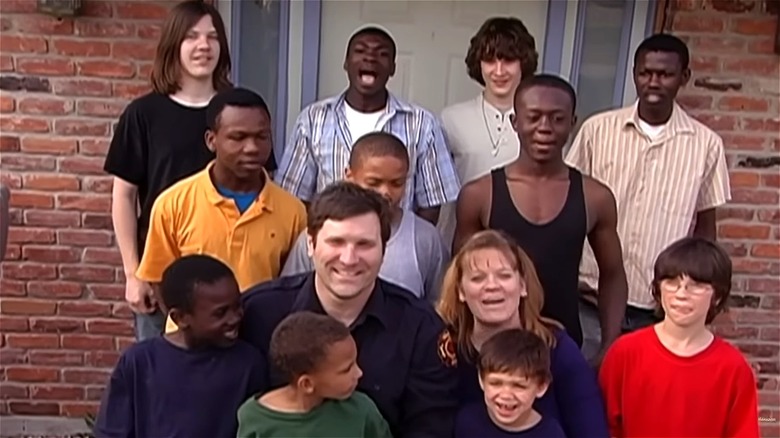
[{"x": 232, "y": 210}]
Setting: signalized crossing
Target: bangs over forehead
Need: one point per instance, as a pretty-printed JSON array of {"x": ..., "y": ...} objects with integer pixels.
[
  {"x": 699, "y": 259},
  {"x": 474, "y": 259}
]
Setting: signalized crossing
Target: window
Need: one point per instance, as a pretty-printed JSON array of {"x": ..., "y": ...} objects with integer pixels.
[
  {"x": 258, "y": 40},
  {"x": 600, "y": 65}
]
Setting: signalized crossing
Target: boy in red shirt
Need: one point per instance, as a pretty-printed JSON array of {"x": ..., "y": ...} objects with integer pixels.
[{"x": 676, "y": 379}]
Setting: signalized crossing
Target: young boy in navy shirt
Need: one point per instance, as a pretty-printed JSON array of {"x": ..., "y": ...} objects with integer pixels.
[
  {"x": 514, "y": 370},
  {"x": 191, "y": 382},
  {"x": 675, "y": 378},
  {"x": 319, "y": 358}
]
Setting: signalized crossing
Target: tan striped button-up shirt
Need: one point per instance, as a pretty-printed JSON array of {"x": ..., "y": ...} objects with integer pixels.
[{"x": 659, "y": 186}]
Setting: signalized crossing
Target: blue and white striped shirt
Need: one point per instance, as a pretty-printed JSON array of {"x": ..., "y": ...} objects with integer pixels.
[{"x": 317, "y": 153}]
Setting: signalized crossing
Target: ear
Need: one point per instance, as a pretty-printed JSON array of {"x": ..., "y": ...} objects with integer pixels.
[
  {"x": 348, "y": 174},
  {"x": 310, "y": 244},
  {"x": 574, "y": 120},
  {"x": 542, "y": 389},
  {"x": 392, "y": 69},
  {"x": 180, "y": 318},
  {"x": 686, "y": 76},
  {"x": 481, "y": 383},
  {"x": 210, "y": 138},
  {"x": 523, "y": 289},
  {"x": 461, "y": 295},
  {"x": 306, "y": 384}
]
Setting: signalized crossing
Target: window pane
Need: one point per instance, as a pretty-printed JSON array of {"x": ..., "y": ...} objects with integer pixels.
[
  {"x": 258, "y": 51},
  {"x": 601, "y": 43}
]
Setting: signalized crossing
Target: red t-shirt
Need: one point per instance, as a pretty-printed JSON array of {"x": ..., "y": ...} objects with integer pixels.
[{"x": 651, "y": 392}]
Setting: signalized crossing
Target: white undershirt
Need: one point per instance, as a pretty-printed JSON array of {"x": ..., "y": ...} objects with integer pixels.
[
  {"x": 360, "y": 123},
  {"x": 187, "y": 103},
  {"x": 652, "y": 131}
]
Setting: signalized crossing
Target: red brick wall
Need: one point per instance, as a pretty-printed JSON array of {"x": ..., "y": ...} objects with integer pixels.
[
  {"x": 735, "y": 90},
  {"x": 62, "y": 85}
]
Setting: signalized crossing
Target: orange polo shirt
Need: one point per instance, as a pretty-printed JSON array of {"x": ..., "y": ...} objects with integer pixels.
[{"x": 192, "y": 217}]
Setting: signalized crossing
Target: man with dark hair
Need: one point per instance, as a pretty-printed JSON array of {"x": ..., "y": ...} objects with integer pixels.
[
  {"x": 668, "y": 173},
  {"x": 231, "y": 210},
  {"x": 189, "y": 383},
  {"x": 550, "y": 208},
  {"x": 479, "y": 131},
  {"x": 397, "y": 335},
  {"x": 318, "y": 150},
  {"x": 415, "y": 256}
]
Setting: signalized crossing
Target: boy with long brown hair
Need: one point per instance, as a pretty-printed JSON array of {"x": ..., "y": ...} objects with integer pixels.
[{"x": 676, "y": 378}]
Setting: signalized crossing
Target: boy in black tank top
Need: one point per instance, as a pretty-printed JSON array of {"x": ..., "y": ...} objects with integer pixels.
[{"x": 550, "y": 209}]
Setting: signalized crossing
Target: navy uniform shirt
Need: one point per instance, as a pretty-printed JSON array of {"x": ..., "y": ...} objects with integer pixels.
[{"x": 398, "y": 338}]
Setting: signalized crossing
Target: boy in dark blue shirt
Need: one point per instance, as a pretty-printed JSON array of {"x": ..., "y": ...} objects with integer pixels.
[
  {"x": 189, "y": 383},
  {"x": 514, "y": 370}
]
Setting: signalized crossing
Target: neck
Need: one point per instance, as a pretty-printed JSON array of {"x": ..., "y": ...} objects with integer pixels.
[
  {"x": 523, "y": 422},
  {"x": 222, "y": 177},
  {"x": 195, "y": 90},
  {"x": 289, "y": 399},
  {"x": 681, "y": 339},
  {"x": 501, "y": 103},
  {"x": 183, "y": 341},
  {"x": 344, "y": 310},
  {"x": 654, "y": 115},
  {"x": 367, "y": 104},
  {"x": 483, "y": 332},
  {"x": 524, "y": 165}
]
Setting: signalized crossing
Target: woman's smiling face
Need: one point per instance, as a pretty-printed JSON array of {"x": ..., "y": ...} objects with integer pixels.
[{"x": 492, "y": 287}]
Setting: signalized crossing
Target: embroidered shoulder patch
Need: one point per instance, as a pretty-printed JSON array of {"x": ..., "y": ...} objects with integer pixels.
[{"x": 446, "y": 349}]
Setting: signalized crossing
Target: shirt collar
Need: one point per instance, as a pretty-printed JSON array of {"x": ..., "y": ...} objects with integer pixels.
[
  {"x": 679, "y": 122},
  {"x": 375, "y": 306},
  {"x": 394, "y": 105},
  {"x": 264, "y": 200},
  {"x": 480, "y": 101}
]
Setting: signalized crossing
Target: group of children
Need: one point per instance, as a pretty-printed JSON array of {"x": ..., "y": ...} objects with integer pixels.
[{"x": 673, "y": 379}]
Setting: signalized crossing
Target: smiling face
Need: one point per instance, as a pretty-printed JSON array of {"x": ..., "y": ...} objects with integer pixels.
[
  {"x": 544, "y": 118},
  {"x": 347, "y": 255},
  {"x": 509, "y": 397},
  {"x": 501, "y": 77},
  {"x": 215, "y": 316},
  {"x": 200, "y": 50},
  {"x": 370, "y": 63},
  {"x": 492, "y": 288}
]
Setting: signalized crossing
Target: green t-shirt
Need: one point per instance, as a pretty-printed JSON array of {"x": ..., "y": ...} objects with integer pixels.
[{"x": 355, "y": 417}]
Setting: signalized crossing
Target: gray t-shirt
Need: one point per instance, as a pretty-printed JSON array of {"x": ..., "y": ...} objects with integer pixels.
[{"x": 421, "y": 274}]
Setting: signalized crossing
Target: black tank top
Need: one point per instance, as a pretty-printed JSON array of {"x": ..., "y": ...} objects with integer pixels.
[{"x": 554, "y": 247}]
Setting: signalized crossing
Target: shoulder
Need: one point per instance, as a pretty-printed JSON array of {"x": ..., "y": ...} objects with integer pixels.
[
  {"x": 478, "y": 186},
  {"x": 285, "y": 199},
  {"x": 606, "y": 119},
  {"x": 456, "y": 110},
  {"x": 598, "y": 193},
  {"x": 363, "y": 403},
  {"x": 319, "y": 106},
  {"x": 415, "y": 110},
  {"x": 635, "y": 341},
  {"x": 415, "y": 311},
  {"x": 730, "y": 357},
  {"x": 705, "y": 134},
  {"x": 145, "y": 104},
  {"x": 276, "y": 292},
  {"x": 140, "y": 353},
  {"x": 181, "y": 191}
]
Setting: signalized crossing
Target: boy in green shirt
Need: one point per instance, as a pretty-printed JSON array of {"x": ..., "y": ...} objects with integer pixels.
[{"x": 319, "y": 357}]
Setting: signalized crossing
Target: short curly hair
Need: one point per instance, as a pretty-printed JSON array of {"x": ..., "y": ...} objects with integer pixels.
[{"x": 502, "y": 38}]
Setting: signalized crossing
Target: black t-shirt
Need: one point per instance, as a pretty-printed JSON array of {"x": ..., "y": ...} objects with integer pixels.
[{"x": 157, "y": 142}]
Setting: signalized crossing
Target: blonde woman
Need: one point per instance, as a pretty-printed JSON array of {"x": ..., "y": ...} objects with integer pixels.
[{"x": 490, "y": 286}]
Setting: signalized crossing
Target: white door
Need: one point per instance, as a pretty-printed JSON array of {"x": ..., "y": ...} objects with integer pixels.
[{"x": 432, "y": 37}]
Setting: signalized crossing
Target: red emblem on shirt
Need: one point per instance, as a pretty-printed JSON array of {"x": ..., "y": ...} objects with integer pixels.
[{"x": 446, "y": 349}]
